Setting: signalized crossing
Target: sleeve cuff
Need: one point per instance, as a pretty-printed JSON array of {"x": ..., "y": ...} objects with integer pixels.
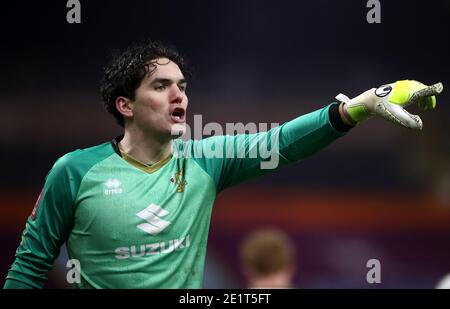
[{"x": 336, "y": 120}]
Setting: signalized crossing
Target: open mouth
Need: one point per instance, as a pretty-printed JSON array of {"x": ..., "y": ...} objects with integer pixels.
[{"x": 178, "y": 114}]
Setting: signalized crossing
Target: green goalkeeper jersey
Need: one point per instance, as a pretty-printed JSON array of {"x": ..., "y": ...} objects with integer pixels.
[{"x": 136, "y": 226}]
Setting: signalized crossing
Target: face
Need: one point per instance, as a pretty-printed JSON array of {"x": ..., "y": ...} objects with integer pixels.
[{"x": 160, "y": 103}]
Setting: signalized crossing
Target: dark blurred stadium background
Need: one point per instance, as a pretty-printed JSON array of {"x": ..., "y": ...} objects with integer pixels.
[{"x": 381, "y": 192}]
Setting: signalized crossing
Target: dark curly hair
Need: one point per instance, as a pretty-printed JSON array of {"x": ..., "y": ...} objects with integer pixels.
[{"x": 124, "y": 74}]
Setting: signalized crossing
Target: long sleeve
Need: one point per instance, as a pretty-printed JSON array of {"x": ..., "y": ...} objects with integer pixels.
[
  {"x": 232, "y": 159},
  {"x": 46, "y": 230}
]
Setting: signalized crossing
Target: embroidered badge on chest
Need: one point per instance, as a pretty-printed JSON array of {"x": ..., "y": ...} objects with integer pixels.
[{"x": 179, "y": 180}]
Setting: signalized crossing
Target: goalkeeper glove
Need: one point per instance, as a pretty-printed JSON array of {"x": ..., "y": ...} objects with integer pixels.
[{"x": 389, "y": 101}]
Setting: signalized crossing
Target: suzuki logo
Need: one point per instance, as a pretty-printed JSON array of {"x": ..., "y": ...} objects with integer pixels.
[{"x": 152, "y": 215}]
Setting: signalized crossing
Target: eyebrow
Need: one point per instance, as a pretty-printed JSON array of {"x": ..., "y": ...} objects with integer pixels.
[{"x": 168, "y": 81}]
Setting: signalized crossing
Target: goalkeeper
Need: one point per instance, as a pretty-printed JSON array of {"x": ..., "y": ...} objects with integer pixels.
[{"x": 134, "y": 212}]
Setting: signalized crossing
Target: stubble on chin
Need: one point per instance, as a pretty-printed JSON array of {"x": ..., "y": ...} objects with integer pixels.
[{"x": 177, "y": 130}]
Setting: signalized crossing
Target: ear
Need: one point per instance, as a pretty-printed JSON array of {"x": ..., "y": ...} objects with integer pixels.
[{"x": 124, "y": 106}]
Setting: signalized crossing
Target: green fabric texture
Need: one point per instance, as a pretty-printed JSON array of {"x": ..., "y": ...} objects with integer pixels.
[{"x": 133, "y": 229}]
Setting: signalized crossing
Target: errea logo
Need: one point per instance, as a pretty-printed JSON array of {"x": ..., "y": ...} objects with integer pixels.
[{"x": 112, "y": 186}]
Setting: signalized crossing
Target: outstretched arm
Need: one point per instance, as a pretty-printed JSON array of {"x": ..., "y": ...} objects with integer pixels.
[
  {"x": 232, "y": 159},
  {"x": 310, "y": 133}
]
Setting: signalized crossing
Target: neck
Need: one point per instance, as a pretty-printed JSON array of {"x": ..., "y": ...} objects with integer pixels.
[
  {"x": 145, "y": 148},
  {"x": 278, "y": 280}
]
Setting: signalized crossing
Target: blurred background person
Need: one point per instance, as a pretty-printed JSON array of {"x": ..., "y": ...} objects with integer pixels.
[{"x": 268, "y": 259}]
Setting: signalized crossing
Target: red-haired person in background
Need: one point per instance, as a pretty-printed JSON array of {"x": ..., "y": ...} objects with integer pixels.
[{"x": 268, "y": 259}]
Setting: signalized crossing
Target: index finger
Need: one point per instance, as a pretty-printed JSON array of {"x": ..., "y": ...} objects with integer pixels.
[{"x": 426, "y": 92}]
